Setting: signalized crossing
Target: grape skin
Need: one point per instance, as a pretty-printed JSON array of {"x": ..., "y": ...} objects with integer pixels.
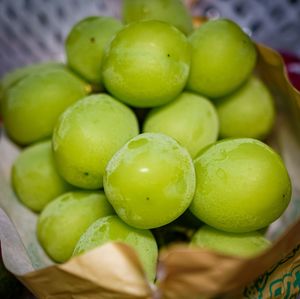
[{"x": 150, "y": 181}]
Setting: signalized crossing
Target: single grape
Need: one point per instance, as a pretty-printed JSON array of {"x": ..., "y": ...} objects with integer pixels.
[
  {"x": 173, "y": 12},
  {"x": 112, "y": 228},
  {"x": 13, "y": 77},
  {"x": 87, "y": 135},
  {"x": 35, "y": 178},
  {"x": 150, "y": 181},
  {"x": 242, "y": 185},
  {"x": 33, "y": 105},
  {"x": 243, "y": 245},
  {"x": 223, "y": 57},
  {"x": 147, "y": 64},
  {"x": 247, "y": 112},
  {"x": 65, "y": 219},
  {"x": 190, "y": 119},
  {"x": 86, "y": 43}
]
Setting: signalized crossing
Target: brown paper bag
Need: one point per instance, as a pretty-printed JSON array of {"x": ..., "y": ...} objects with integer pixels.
[{"x": 113, "y": 270}]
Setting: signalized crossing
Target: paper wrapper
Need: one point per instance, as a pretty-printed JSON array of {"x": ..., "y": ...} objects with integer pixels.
[{"x": 113, "y": 270}]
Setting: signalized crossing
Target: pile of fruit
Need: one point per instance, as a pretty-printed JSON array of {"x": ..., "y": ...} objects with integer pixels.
[{"x": 149, "y": 134}]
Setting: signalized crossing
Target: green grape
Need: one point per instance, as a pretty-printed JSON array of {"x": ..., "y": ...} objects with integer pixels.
[
  {"x": 242, "y": 185},
  {"x": 190, "y": 119},
  {"x": 150, "y": 181},
  {"x": 65, "y": 219},
  {"x": 13, "y": 77},
  {"x": 33, "y": 105},
  {"x": 173, "y": 12},
  {"x": 147, "y": 64},
  {"x": 86, "y": 43},
  {"x": 35, "y": 178},
  {"x": 242, "y": 245},
  {"x": 112, "y": 228},
  {"x": 248, "y": 112},
  {"x": 223, "y": 57},
  {"x": 87, "y": 135}
]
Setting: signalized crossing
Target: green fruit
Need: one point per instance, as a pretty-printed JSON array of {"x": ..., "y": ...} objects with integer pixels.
[
  {"x": 147, "y": 64},
  {"x": 223, "y": 57},
  {"x": 13, "y": 77},
  {"x": 190, "y": 119},
  {"x": 35, "y": 178},
  {"x": 242, "y": 185},
  {"x": 248, "y": 112},
  {"x": 65, "y": 219},
  {"x": 242, "y": 245},
  {"x": 112, "y": 228},
  {"x": 87, "y": 135},
  {"x": 33, "y": 105},
  {"x": 150, "y": 181},
  {"x": 173, "y": 12},
  {"x": 86, "y": 43}
]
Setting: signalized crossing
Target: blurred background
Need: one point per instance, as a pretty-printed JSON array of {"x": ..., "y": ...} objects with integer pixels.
[{"x": 35, "y": 30}]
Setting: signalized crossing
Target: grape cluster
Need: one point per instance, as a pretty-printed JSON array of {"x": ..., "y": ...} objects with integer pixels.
[{"x": 123, "y": 139}]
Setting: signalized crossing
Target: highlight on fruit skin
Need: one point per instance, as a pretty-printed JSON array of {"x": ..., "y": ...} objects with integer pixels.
[
  {"x": 246, "y": 245},
  {"x": 150, "y": 181},
  {"x": 242, "y": 185},
  {"x": 147, "y": 64},
  {"x": 86, "y": 43},
  {"x": 65, "y": 219},
  {"x": 247, "y": 112},
  {"x": 223, "y": 57},
  {"x": 35, "y": 178},
  {"x": 87, "y": 135},
  {"x": 190, "y": 119},
  {"x": 112, "y": 228},
  {"x": 173, "y": 12}
]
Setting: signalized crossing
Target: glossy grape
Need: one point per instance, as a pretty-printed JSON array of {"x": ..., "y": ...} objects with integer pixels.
[
  {"x": 173, "y": 12},
  {"x": 112, "y": 228},
  {"x": 150, "y": 181},
  {"x": 243, "y": 245},
  {"x": 65, "y": 219},
  {"x": 35, "y": 178},
  {"x": 13, "y": 77},
  {"x": 86, "y": 43},
  {"x": 33, "y": 105},
  {"x": 87, "y": 135},
  {"x": 147, "y": 64},
  {"x": 242, "y": 185},
  {"x": 223, "y": 57},
  {"x": 190, "y": 119},
  {"x": 248, "y": 112}
]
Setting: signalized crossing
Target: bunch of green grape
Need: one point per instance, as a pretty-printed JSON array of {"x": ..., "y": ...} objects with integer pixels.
[{"x": 148, "y": 135}]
